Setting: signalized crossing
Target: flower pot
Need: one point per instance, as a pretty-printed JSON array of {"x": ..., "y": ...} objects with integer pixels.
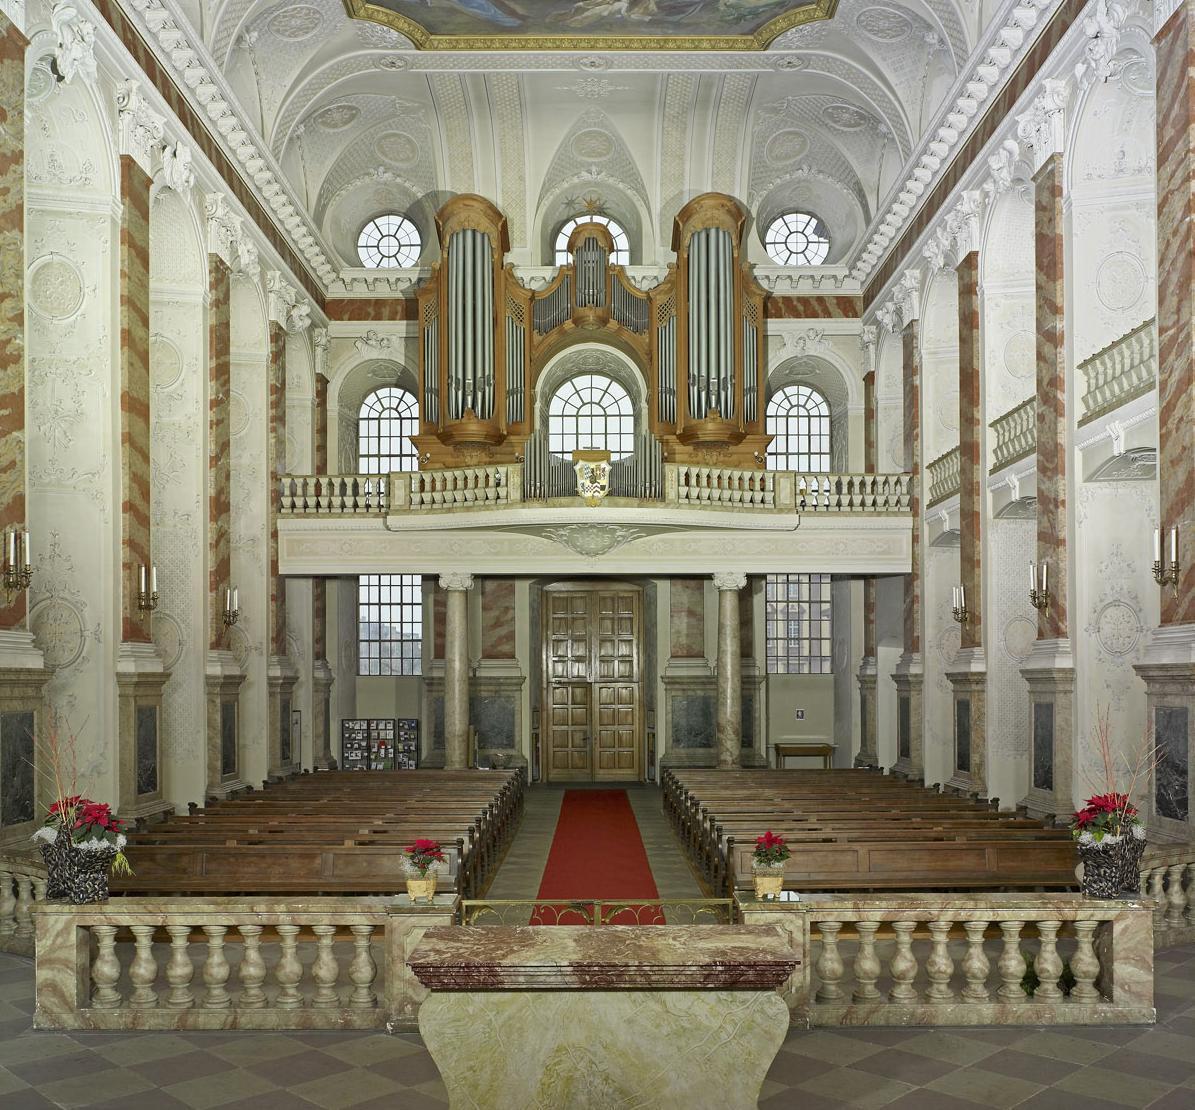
[
  {"x": 422, "y": 890},
  {"x": 769, "y": 882},
  {"x": 1131, "y": 852},
  {"x": 57, "y": 856},
  {"x": 1107, "y": 864},
  {"x": 87, "y": 880}
]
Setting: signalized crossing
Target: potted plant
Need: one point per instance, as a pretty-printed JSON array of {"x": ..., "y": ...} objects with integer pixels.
[
  {"x": 767, "y": 865},
  {"x": 421, "y": 861},
  {"x": 81, "y": 842}
]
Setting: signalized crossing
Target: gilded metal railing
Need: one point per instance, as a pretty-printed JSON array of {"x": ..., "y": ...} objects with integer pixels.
[{"x": 604, "y": 911}]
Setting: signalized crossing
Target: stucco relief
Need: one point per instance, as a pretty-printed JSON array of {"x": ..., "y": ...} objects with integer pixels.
[
  {"x": 1018, "y": 637},
  {"x": 56, "y": 288},
  {"x": 168, "y": 636},
  {"x": 1120, "y": 281},
  {"x": 57, "y": 627},
  {"x": 166, "y": 363}
]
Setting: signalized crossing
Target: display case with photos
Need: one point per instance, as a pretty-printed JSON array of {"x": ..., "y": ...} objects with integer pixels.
[{"x": 379, "y": 744}]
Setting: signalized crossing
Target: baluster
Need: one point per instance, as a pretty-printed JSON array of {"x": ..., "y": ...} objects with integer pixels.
[
  {"x": 39, "y": 888},
  {"x": 23, "y": 912},
  {"x": 903, "y": 965},
  {"x": 976, "y": 966},
  {"x": 362, "y": 971},
  {"x": 1190, "y": 892},
  {"x": 179, "y": 969},
  {"x": 215, "y": 969},
  {"x": 1157, "y": 892},
  {"x": 939, "y": 967},
  {"x": 289, "y": 971},
  {"x": 252, "y": 970},
  {"x": 829, "y": 966},
  {"x": 1085, "y": 965},
  {"x": 1048, "y": 964},
  {"x": 1176, "y": 901},
  {"x": 105, "y": 970},
  {"x": 8, "y": 903},
  {"x": 143, "y": 971},
  {"x": 1011, "y": 965},
  {"x": 867, "y": 963},
  {"x": 325, "y": 971}
]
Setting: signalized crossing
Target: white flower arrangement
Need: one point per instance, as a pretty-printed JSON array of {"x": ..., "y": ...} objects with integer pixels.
[{"x": 97, "y": 844}]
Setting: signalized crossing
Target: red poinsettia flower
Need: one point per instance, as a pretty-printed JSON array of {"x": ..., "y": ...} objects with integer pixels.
[
  {"x": 65, "y": 804},
  {"x": 429, "y": 849},
  {"x": 770, "y": 840}
]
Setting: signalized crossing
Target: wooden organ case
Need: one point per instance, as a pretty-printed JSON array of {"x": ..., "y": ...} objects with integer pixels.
[{"x": 697, "y": 337}]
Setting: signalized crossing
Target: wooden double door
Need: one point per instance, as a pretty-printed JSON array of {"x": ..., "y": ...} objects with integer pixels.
[{"x": 592, "y": 666}]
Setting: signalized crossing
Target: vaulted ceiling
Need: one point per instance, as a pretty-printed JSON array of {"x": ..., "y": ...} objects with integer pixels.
[{"x": 362, "y": 121}]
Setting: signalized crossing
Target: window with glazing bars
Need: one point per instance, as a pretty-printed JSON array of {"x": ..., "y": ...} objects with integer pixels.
[
  {"x": 798, "y": 621},
  {"x": 389, "y": 606},
  {"x": 591, "y": 411},
  {"x": 622, "y": 245}
]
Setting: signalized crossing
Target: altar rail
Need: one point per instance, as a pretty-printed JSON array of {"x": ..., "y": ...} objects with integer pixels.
[
  {"x": 1125, "y": 369},
  {"x": 945, "y": 476},
  {"x": 501, "y": 484},
  {"x": 1168, "y": 880},
  {"x": 1015, "y": 434},
  {"x": 250, "y": 974},
  {"x": 1007, "y": 959}
]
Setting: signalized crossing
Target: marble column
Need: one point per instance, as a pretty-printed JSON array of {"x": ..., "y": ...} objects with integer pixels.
[
  {"x": 868, "y": 755},
  {"x": 321, "y": 672},
  {"x": 908, "y": 676},
  {"x": 456, "y": 669},
  {"x": 222, "y": 677},
  {"x": 728, "y": 727}
]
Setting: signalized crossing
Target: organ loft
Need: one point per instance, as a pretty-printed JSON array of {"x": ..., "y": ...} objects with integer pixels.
[{"x": 596, "y": 555}]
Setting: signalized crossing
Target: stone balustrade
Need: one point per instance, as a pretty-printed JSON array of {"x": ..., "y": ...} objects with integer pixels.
[
  {"x": 995, "y": 959},
  {"x": 853, "y": 493},
  {"x": 22, "y": 883},
  {"x": 465, "y": 487},
  {"x": 1124, "y": 370},
  {"x": 723, "y": 486},
  {"x": 230, "y": 963},
  {"x": 1168, "y": 879},
  {"x": 1014, "y": 434},
  {"x": 945, "y": 476},
  {"x": 333, "y": 494}
]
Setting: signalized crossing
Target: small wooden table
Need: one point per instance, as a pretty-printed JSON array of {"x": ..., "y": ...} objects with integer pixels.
[{"x": 786, "y": 748}]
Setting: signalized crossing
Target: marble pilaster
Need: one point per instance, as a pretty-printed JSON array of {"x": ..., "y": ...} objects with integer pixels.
[
  {"x": 686, "y": 618},
  {"x": 1051, "y": 729},
  {"x": 729, "y": 706},
  {"x": 910, "y": 746},
  {"x": 971, "y": 456},
  {"x": 969, "y": 724},
  {"x": 284, "y": 754},
  {"x": 456, "y": 669},
  {"x": 867, "y": 755},
  {"x": 141, "y": 768},
  {"x": 497, "y": 618},
  {"x": 276, "y": 466},
  {"x": 322, "y": 678},
  {"x": 219, "y": 470}
]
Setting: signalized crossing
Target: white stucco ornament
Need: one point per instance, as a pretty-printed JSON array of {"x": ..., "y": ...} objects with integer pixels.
[
  {"x": 178, "y": 172},
  {"x": 75, "y": 53}
]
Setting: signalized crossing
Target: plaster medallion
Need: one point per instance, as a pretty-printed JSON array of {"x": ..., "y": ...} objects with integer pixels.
[
  {"x": 166, "y": 364},
  {"x": 238, "y": 644},
  {"x": 295, "y": 22},
  {"x": 883, "y": 24},
  {"x": 55, "y": 287},
  {"x": 238, "y": 412},
  {"x": 41, "y": 80},
  {"x": 1120, "y": 281},
  {"x": 593, "y": 145},
  {"x": 949, "y": 642},
  {"x": 336, "y": 117},
  {"x": 392, "y": 61},
  {"x": 57, "y": 628},
  {"x": 1118, "y": 628},
  {"x": 1020, "y": 633},
  {"x": 785, "y": 147},
  {"x": 592, "y": 539},
  {"x": 592, "y": 63},
  {"x": 168, "y": 636},
  {"x": 791, "y": 62},
  {"x": 845, "y": 117},
  {"x": 1138, "y": 77},
  {"x": 397, "y": 148},
  {"x": 1020, "y": 355}
]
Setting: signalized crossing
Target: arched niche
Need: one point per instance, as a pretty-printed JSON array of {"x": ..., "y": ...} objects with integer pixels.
[
  {"x": 590, "y": 358},
  {"x": 827, "y": 376},
  {"x": 355, "y": 381}
]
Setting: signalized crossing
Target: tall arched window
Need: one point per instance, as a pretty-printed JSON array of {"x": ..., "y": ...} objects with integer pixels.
[
  {"x": 622, "y": 244},
  {"x": 389, "y": 606},
  {"x": 798, "y": 612},
  {"x": 591, "y": 411}
]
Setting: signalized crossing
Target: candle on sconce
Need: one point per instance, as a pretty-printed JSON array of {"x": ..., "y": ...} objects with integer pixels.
[
  {"x": 962, "y": 597},
  {"x": 227, "y": 599},
  {"x": 1045, "y": 576},
  {"x": 236, "y": 601},
  {"x": 142, "y": 579},
  {"x": 1174, "y": 546},
  {"x": 1033, "y": 576},
  {"x": 153, "y": 580},
  {"x": 954, "y": 597},
  {"x": 12, "y": 550},
  {"x": 1157, "y": 545},
  {"x": 28, "y": 551}
]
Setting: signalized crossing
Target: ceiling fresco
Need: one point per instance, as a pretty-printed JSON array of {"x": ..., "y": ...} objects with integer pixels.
[{"x": 590, "y": 24}]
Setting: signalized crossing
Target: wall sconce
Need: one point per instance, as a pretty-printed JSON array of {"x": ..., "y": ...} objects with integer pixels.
[
  {"x": 147, "y": 594},
  {"x": 232, "y": 606},
  {"x": 958, "y": 609},
  {"x": 1039, "y": 596},
  {"x": 18, "y": 568},
  {"x": 1166, "y": 574}
]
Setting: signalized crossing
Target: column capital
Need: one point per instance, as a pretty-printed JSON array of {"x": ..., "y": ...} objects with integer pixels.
[
  {"x": 455, "y": 580},
  {"x": 1002, "y": 165},
  {"x": 286, "y": 309},
  {"x": 141, "y": 129},
  {"x": 1103, "y": 28},
  {"x": 1042, "y": 129},
  {"x": 869, "y": 336},
  {"x": 177, "y": 171},
  {"x": 730, "y": 580},
  {"x": 74, "y": 56},
  {"x": 322, "y": 343}
]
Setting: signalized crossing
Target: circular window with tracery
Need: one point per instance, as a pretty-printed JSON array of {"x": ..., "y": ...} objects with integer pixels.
[
  {"x": 387, "y": 242},
  {"x": 797, "y": 239},
  {"x": 591, "y": 412}
]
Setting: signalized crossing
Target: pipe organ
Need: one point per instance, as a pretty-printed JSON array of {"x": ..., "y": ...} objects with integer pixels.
[{"x": 696, "y": 338}]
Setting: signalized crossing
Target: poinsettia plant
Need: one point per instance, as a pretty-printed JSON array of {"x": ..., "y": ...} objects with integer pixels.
[
  {"x": 770, "y": 850},
  {"x": 1111, "y": 813},
  {"x": 423, "y": 856},
  {"x": 1104, "y": 815}
]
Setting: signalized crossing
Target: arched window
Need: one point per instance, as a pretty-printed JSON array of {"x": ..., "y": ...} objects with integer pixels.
[
  {"x": 622, "y": 245},
  {"x": 591, "y": 411},
  {"x": 797, "y": 239},
  {"x": 797, "y": 606},
  {"x": 388, "y": 241},
  {"x": 389, "y": 606}
]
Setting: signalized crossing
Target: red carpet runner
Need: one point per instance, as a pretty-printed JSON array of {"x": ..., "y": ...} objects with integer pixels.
[{"x": 597, "y": 852}]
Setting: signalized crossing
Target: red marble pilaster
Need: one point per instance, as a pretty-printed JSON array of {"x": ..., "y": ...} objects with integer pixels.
[
  {"x": 12, "y": 297},
  {"x": 134, "y": 397},
  {"x": 870, "y": 461},
  {"x": 1175, "y": 129},
  {"x": 319, "y": 586},
  {"x": 1051, "y": 393},
  {"x": 276, "y": 466},
  {"x": 911, "y": 360},
  {"x": 971, "y": 473},
  {"x": 498, "y": 618},
  {"x": 219, "y": 460}
]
